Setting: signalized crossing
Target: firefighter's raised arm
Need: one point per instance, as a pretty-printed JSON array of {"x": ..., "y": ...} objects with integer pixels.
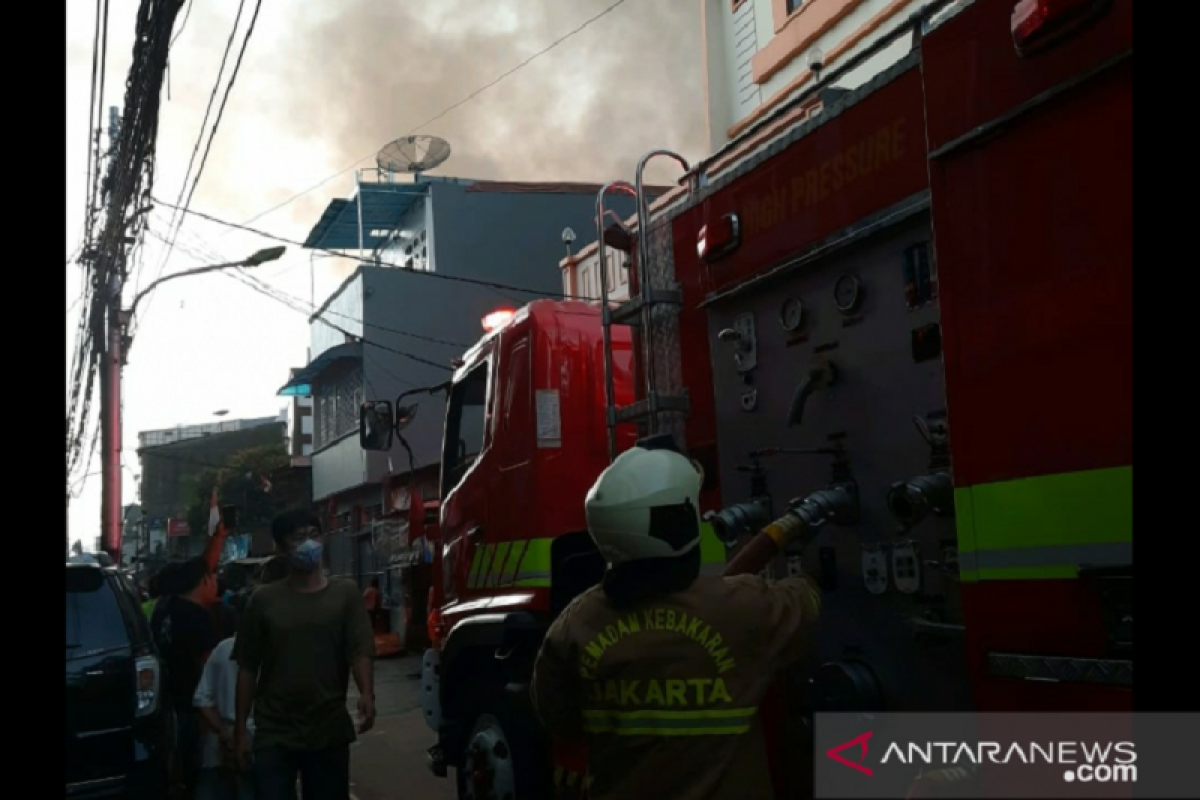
[{"x": 787, "y": 613}]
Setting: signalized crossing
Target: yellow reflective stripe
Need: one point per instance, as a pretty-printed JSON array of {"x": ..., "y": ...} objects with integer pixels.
[
  {"x": 508, "y": 571},
  {"x": 533, "y": 570},
  {"x": 1045, "y": 527},
  {"x": 655, "y": 713},
  {"x": 524, "y": 563},
  {"x": 476, "y": 563},
  {"x": 1062, "y": 572},
  {"x": 712, "y": 551},
  {"x": 537, "y": 556},
  {"x": 497, "y": 567},
  {"x": 650, "y": 722}
]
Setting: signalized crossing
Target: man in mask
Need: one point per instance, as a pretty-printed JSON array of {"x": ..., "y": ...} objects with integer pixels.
[{"x": 299, "y": 642}]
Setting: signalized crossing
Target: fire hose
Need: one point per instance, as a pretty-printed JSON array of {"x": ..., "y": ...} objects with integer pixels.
[{"x": 803, "y": 520}]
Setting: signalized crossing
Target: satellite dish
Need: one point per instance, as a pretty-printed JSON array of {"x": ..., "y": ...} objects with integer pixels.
[{"x": 413, "y": 154}]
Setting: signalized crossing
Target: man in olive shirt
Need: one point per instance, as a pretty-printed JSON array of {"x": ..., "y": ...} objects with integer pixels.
[{"x": 300, "y": 640}]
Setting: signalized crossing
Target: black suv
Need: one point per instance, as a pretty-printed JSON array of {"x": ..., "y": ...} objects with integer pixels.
[{"x": 119, "y": 728}]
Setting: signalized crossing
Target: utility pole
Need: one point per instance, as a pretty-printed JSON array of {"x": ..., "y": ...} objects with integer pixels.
[
  {"x": 110, "y": 410},
  {"x": 115, "y": 353},
  {"x": 131, "y": 154},
  {"x": 110, "y": 383}
]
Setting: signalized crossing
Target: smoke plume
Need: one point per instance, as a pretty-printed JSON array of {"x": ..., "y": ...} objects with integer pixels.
[{"x": 345, "y": 78}]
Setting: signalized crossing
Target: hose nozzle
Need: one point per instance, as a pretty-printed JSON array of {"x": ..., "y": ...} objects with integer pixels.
[
  {"x": 837, "y": 504},
  {"x": 730, "y": 524},
  {"x": 912, "y": 500}
]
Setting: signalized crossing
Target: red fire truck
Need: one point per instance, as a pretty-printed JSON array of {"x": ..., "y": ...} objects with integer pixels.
[{"x": 922, "y": 291}]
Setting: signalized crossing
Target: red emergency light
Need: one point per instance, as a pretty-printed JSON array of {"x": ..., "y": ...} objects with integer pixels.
[
  {"x": 497, "y": 319},
  {"x": 718, "y": 238},
  {"x": 1039, "y": 24}
]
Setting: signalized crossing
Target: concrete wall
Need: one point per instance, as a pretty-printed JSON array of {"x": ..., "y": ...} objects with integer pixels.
[
  {"x": 344, "y": 310},
  {"x": 413, "y": 246},
  {"x": 338, "y": 467}
]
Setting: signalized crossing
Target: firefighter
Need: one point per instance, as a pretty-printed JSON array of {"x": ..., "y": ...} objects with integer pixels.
[{"x": 659, "y": 669}]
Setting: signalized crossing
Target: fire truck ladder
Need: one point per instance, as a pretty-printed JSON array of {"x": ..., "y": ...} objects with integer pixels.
[{"x": 654, "y": 310}]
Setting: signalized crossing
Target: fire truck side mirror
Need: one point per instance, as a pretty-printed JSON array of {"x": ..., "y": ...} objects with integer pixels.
[{"x": 375, "y": 425}]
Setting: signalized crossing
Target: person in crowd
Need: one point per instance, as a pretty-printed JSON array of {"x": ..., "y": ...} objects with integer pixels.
[
  {"x": 184, "y": 631},
  {"x": 220, "y": 775},
  {"x": 299, "y": 642}
]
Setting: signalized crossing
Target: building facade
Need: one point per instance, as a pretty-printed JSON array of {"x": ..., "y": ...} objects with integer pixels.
[
  {"x": 760, "y": 53},
  {"x": 581, "y": 270},
  {"x": 442, "y": 254},
  {"x": 173, "y": 460},
  {"x": 581, "y": 273},
  {"x": 180, "y": 433}
]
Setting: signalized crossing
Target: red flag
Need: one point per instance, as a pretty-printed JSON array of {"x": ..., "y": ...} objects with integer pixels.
[
  {"x": 216, "y": 533},
  {"x": 265, "y": 484},
  {"x": 214, "y": 514}
]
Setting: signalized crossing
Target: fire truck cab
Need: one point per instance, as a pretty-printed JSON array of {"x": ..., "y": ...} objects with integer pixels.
[{"x": 524, "y": 440}]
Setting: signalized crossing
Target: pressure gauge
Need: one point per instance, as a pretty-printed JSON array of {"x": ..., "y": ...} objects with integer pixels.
[
  {"x": 847, "y": 293},
  {"x": 791, "y": 314}
]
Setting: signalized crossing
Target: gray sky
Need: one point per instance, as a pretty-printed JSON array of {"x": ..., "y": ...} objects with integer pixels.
[{"x": 323, "y": 86}]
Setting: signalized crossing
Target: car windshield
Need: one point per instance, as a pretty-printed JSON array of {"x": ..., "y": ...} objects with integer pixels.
[{"x": 94, "y": 621}]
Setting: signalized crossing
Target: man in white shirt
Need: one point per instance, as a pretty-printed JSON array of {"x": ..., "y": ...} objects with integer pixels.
[{"x": 220, "y": 778}]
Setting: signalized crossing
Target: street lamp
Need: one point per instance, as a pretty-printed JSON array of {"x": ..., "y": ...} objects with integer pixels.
[
  {"x": 261, "y": 257},
  {"x": 110, "y": 389}
]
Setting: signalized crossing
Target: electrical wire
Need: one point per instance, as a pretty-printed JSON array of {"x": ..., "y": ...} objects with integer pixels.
[
  {"x": 239, "y": 276},
  {"x": 304, "y": 306},
  {"x": 309, "y": 310},
  {"x": 129, "y": 178},
  {"x": 372, "y": 262},
  {"x": 187, "y": 14},
  {"x": 237, "y": 66},
  {"x": 449, "y": 109},
  {"x": 97, "y": 83},
  {"x": 82, "y": 353},
  {"x": 178, "y": 217},
  {"x": 242, "y": 276}
]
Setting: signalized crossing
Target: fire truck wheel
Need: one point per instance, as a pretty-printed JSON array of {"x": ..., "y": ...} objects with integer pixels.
[{"x": 504, "y": 758}]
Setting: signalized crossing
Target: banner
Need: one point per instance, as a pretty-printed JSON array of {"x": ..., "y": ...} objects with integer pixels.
[{"x": 178, "y": 527}]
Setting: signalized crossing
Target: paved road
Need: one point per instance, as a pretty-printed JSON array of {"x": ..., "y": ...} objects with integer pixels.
[{"x": 389, "y": 761}]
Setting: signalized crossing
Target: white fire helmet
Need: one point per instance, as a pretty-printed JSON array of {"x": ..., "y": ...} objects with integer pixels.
[{"x": 646, "y": 504}]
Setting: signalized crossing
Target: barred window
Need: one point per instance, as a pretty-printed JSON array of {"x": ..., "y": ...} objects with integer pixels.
[{"x": 337, "y": 398}]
